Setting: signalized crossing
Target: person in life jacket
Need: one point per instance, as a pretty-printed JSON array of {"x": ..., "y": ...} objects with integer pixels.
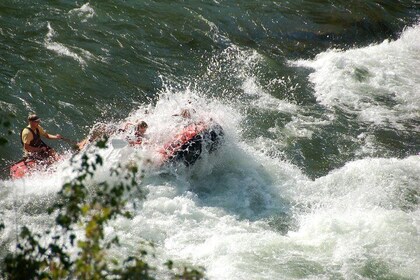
[
  {"x": 139, "y": 132},
  {"x": 33, "y": 145},
  {"x": 99, "y": 131},
  {"x": 185, "y": 113}
]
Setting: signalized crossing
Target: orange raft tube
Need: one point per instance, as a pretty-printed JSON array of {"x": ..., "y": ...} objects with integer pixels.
[
  {"x": 27, "y": 166},
  {"x": 22, "y": 168},
  {"x": 187, "y": 145}
]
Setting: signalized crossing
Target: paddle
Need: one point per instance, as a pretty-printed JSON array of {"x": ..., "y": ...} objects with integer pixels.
[
  {"x": 118, "y": 143},
  {"x": 71, "y": 142}
]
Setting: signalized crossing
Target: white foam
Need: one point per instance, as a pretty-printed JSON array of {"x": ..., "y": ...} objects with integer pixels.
[
  {"x": 243, "y": 67},
  {"x": 61, "y": 49},
  {"x": 380, "y": 83},
  {"x": 85, "y": 11},
  {"x": 364, "y": 212},
  {"x": 244, "y": 215},
  {"x": 356, "y": 216}
]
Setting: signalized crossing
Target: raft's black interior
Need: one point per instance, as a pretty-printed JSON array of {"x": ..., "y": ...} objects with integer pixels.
[{"x": 208, "y": 140}]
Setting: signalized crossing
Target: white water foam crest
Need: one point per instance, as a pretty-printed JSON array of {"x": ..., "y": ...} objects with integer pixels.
[
  {"x": 243, "y": 66},
  {"x": 366, "y": 211},
  {"x": 61, "y": 49},
  {"x": 85, "y": 11},
  {"x": 380, "y": 83},
  {"x": 211, "y": 217},
  {"x": 264, "y": 100},
  {"x": 164, "y": 118},
  {"x": 357, "y": 217}
]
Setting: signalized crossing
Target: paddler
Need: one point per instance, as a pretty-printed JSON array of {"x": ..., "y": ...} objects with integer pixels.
[
  {"x": 33, "y": 146},
  {"x": 139, "y": 132},
  {"x": 98, "y": 131}
]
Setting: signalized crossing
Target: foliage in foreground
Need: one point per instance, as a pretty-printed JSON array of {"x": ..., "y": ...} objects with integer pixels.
[
  {"x": 5, "y": 125},
  {"x": 90, "y": 208}
]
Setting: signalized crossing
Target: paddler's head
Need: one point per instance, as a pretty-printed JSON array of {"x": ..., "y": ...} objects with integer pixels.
[
  {"x": 185, "y": 113},
  {"x": 34, "y": 120},
  {"x": 141, "y": 128}
]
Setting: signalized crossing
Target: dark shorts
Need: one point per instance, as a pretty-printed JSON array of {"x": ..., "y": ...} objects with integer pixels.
[{"x": 40, "y": 156}]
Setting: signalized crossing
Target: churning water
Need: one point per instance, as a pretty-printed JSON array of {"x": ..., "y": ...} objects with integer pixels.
[{"x": 318, "y": 176}]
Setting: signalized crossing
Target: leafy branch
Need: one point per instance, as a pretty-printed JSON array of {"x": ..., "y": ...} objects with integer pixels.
[{"x": 86, "y": 205}]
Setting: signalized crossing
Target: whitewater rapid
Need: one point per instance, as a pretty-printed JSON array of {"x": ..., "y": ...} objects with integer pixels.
[{"x": 246, "y": 213}]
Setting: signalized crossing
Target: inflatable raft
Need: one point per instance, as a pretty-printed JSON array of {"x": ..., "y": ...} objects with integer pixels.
[
  {"x": 27, "y": 167},
  {"x": 187, "y": 146},
  {"x": 22, "y": 168}
]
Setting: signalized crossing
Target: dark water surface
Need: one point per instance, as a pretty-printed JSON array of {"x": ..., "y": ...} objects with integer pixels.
[{"x": 323, "y": 94}]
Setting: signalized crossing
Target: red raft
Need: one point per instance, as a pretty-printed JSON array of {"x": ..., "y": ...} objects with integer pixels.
[
  {"x": 188, "y": 144},
  {"x": 27, "y": 167},
  {"x": 185, "y": 147},
  {"x": 22, "y": 168}
]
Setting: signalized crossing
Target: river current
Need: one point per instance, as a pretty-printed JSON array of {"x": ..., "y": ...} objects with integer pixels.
[{"x": 318, "y": 176}]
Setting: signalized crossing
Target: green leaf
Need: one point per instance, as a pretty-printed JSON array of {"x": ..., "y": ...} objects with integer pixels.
[{"x": 3, "y": 141}]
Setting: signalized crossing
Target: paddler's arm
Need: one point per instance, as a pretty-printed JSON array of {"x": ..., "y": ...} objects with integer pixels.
[
  {"x": 53, "y": 137},
  {"x": 42, "y": 132},
  {"x": 136, "y": 142},
  {"x": 126, "y": 125}
]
